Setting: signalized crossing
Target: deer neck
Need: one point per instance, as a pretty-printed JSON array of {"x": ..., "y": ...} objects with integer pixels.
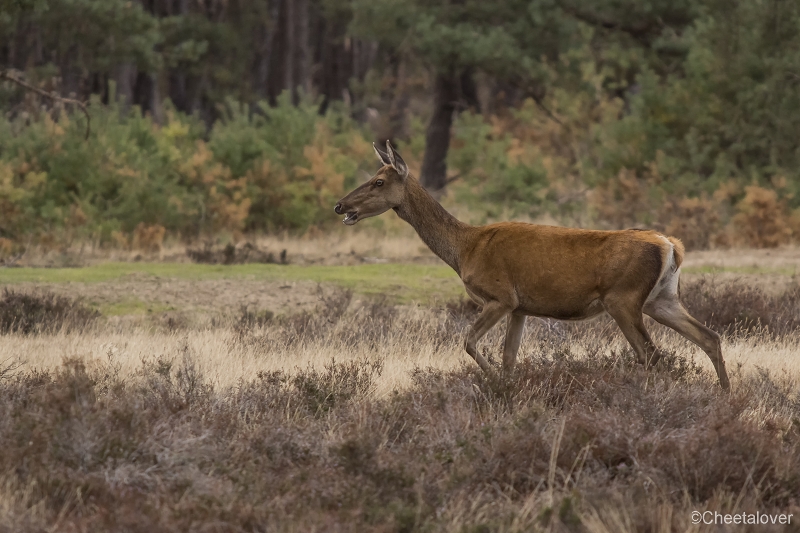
[{"x": 444, "y": 234}]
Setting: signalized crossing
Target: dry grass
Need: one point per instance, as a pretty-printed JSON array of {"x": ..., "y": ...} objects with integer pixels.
[
  {"x": 404, "y": 339},
  {"x": 361, "y": 415},
  {"x": 761, "y": 331}
]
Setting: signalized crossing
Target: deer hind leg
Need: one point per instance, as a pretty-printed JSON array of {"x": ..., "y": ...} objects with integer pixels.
[
  {"x": 491, "y": 314},
  {"x": 628, "y": 316},
  {"x": 669, "y": 311},
  {"x": 514, "y": 330}
]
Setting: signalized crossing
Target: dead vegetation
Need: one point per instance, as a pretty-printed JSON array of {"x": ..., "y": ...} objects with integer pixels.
[
  {"x": 737, "y": 308},
  {"x": 231, "y": 254},
  {"x": 42, "y": 312},
  {"x": 581, "y": 439},
  {"x": 556, "y": 448}
]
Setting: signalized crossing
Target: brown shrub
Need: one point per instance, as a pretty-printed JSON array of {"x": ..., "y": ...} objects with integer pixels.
[
  {"x": 148, "y": 238},
  {"x": 337, "y": 384},
  {"x": 231, "y": 254},
  {"x": 762, "y": 220},
  {"x": 737, "y": 308},
  {"x": 6, "y": 247},
  {"x": 695, "y": 221},
  {"x": 40, "y": 312},
  {"x": 622, "y": 202}
]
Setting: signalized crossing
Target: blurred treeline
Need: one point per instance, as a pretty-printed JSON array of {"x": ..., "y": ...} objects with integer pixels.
[{"x": 222, "y": 117}]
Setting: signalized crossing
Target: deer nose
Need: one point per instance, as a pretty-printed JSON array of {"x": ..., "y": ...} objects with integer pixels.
[{"x": 338, "y": 209}]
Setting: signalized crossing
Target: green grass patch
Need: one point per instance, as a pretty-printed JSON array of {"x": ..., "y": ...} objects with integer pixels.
[{"x": 403, "y": 283}]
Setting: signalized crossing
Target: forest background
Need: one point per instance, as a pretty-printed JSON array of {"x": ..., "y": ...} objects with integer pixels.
[{"x": 221, "y": 119}]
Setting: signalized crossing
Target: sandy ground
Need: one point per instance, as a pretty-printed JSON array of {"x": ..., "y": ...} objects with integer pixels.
[{"x": 195, "y": 298}]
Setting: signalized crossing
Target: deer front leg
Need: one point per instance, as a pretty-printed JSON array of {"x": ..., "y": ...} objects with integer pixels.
[
  {"x": 491, "y": 314},
  {"x": 514, "y": 330}
]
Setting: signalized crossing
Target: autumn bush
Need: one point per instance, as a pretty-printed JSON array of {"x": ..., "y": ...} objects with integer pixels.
[
  {"x": 761, "y": 219},
  {"x": 134, "y": 181}
]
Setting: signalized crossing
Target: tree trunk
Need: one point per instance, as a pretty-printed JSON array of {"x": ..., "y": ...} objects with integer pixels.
[
  {"x": 302, "y": 49},
  {"x": 178, "y": 89},
  {"x": 399, "y": 99},
  {"x": 264, "y": 64},
  {"x": 125, "y": 80},
  {"x": 289, "y": 81},
  {"x": 155, "y": 100},
  {"x": 469, "y": 92},
  {"x": 437, "y": 138}
]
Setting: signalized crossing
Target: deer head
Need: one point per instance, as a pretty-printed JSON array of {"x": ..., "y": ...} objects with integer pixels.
[{"x": 385, "y": 190}]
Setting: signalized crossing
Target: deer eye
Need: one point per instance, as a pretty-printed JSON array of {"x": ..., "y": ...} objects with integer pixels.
[{"x": 378, "y": 183}]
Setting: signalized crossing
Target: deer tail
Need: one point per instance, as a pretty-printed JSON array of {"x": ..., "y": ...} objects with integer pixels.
[{"x": 678, "y": 251}]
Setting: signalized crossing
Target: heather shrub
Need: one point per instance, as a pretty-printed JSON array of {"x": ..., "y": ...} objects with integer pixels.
[
  {"x": 338, "y": 383},
  {"x": 578, "y": 429},
  {"x": 737, "y": 308},
  {"x": 42, "y": 312}
]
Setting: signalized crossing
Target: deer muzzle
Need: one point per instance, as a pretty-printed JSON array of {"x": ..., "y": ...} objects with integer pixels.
[{"x": 350, "y": 217}]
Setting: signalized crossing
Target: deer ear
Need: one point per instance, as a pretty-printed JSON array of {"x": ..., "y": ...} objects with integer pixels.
[
  {"x": 383, "y": 157},
  {"x": 396, "y": 161}
]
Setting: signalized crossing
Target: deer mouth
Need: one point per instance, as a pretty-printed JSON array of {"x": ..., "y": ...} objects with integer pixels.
[{"x": 350, "y": 218}]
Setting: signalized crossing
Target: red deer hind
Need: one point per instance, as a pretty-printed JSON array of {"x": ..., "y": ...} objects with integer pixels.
[{"x": 516, "y": 269}]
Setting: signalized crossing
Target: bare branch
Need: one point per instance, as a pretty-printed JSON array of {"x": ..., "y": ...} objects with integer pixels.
[
  {"x": 8, "y": 367},
  {"x": 8, "y": 74},
  {"x": 546, "y": 110},
  {"x": 451, "y": 179}
]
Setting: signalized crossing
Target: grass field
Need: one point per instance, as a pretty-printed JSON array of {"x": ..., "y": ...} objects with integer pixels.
[{"x": 333, "y": 397}]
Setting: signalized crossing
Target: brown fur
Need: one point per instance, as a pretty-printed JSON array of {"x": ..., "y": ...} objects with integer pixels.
[{"x": 516, "y": 269}]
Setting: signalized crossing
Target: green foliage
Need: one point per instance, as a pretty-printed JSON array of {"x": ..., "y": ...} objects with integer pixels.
[
  {"x": 730, "y": 113},
  {"x": 295, "y": 161},
  {"x": 98, "y": 34},
  {"x": 288, "y": 163},
  {"x": 505, "y": 37},
  {"x": 493, "y": 171}
]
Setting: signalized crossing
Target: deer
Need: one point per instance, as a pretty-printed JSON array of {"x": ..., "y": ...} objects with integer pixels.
[{"x": 518, "y": 269}]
